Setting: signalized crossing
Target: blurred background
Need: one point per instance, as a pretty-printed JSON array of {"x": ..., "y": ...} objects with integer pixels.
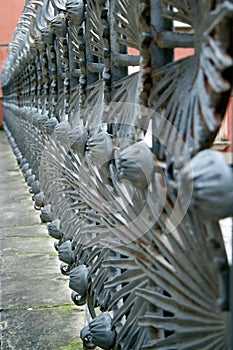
[{"x": 10, "y": 11}]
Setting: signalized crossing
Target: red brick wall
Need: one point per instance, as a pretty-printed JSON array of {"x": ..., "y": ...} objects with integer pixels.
[{"x": 182, "y": 53}]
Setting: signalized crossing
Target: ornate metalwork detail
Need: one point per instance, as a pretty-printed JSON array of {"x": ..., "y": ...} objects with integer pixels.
[{"x": 119, "y": 164}]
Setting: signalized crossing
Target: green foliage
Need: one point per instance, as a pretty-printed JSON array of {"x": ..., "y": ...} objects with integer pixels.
[{"x": 75, "y": 345}]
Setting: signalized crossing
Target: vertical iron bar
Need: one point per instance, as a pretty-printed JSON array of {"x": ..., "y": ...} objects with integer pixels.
[{"x": 159, "y": 56}]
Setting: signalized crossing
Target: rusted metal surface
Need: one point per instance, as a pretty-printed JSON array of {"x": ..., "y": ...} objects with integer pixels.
[{"x": 120, "y": 164}]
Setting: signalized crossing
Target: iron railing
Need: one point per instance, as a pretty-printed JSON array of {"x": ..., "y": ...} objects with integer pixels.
[{"x": 120, "y": 163}]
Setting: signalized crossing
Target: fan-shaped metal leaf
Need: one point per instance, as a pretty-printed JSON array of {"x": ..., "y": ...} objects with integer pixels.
[{"x": 189, "y": 89}]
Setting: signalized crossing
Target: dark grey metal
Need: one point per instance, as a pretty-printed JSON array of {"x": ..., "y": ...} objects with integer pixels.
[
  {"x": 119, "y": 163},
  {"x": 99, "y": 332}
]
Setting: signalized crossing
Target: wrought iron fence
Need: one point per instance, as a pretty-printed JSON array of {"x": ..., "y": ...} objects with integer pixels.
[{"x": 120, "y": 163}]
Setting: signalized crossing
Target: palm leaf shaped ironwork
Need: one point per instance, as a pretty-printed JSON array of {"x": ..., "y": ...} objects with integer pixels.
[
  {"x": 127, "y": 26},
  {"x": 189, "y": 89},
  {"x": 137, "y": 246},
  {"x": 94, "y": 10}
]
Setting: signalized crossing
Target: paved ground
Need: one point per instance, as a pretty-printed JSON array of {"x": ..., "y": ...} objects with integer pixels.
[{"x": 36, "y": 310}]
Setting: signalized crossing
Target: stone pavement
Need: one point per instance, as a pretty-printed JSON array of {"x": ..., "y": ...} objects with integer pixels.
[{"x": 36, "y": 309}]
